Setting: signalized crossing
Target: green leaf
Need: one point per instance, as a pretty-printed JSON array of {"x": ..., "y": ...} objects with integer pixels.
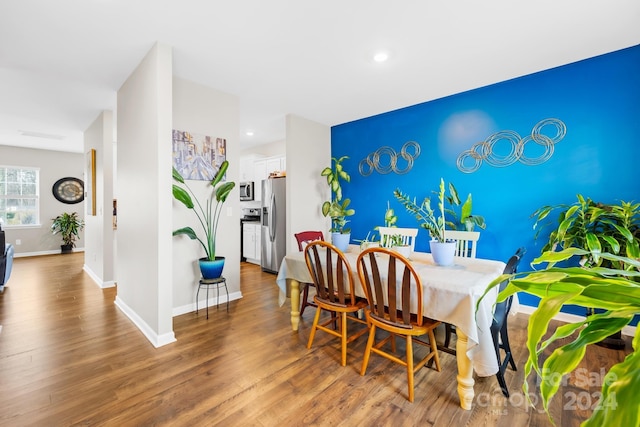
[
  {"x": 618, "y": 405},
  {"x": 187, "y": 231},
  {"x": 181, "y": 195},
  {"x": 177, "y": 176},
  {"x": 223, "y": 191},
  {"x": 220, "y": 174}
]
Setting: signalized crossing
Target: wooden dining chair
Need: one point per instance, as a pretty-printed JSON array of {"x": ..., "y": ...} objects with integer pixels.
[
  {"x": 335, "y": 293},
  {"x": 303, "y": 238},
  {"x": 394, "y": 293},
  {"x": 499, "y": 325},
  {"x": 466, "y": 244}
]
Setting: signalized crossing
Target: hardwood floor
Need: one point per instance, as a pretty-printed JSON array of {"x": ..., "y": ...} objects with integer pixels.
[{"x": 68, "y": 356}]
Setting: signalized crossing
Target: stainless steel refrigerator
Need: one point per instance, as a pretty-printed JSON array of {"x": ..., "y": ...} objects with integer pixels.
[{"x": 273, "y": 233}]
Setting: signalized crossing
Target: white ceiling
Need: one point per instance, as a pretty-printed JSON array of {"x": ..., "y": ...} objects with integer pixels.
[{"x": 62, "y": 61}]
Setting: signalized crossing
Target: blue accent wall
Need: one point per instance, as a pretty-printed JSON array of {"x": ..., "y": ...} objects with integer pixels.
[{"x": 598, "y": 100}]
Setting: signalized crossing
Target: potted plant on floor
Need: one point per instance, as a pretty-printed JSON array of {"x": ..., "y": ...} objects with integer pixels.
[
  {"x": 69, "y": 227},
  {"x": 615, "y": 290},
  {"x": 441, "y": 249},
  {"x": 594, "y": 227},
  {"x": 208, "y": 215},
  {"x": 337, "y": 208}
]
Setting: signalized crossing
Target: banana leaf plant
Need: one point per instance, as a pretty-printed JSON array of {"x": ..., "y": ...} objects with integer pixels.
[
  {"x": 617, "y": 291},
  {"x": 209, "y": 214}
]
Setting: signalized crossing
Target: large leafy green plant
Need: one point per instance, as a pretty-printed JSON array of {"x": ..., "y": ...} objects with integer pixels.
[
  {"x": 209, "y": 214},
  {"x": 615, "y": 290},
  {"x": 69, "y": 227},
  {"x": 595, "y": 227},
  {"x": 337, "y": 209}
]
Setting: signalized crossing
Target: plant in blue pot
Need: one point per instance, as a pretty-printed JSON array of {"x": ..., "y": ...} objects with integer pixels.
[
  {"x": 337, "y": 208},
  {"x": 208, "y": 214},
  {"x": 441, "y": 249}
]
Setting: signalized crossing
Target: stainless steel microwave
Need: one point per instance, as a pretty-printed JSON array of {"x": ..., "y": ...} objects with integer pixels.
[{"x": 246, "y": 191}]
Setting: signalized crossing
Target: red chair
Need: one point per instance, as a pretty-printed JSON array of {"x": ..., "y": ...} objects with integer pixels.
[{"x": 303, "y": 238}]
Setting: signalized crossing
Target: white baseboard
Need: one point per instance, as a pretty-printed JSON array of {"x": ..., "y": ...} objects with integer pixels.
[
  {"x": 155, "y": 339},
  {"x": 40, "y": 253},
  {"x": 571, "y": 318},
  {"x": 98, "y": 280}
]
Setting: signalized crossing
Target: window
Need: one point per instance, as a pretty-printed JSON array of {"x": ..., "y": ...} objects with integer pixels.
[{"x": 19, "y": 196}]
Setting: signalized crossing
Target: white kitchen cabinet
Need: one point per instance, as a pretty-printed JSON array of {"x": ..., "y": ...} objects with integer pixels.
[
  {"x": 262, "y": 168},
  {"x": 273, "y": 165},
  {"x": 251, "y": 242}
]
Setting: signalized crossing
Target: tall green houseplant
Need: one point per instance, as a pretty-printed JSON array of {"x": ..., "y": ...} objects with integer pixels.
[
  {"x": 337, "y": 208},
  {"x": 69, "y": 227},
  {"x": 208, "y": 212}
]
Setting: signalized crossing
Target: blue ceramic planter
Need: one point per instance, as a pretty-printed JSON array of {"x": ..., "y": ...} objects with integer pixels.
[
  {"x": 341, "y": 241},
  {"x": 442, "y": 252},
  {"x": 211, "y": 269}
]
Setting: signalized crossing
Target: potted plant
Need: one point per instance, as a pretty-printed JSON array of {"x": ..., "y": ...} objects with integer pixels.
[
  {"x": 615, "y": 290},
  {"x": 208, "y": 215},
  {"x": 336, "y": 208},
  {"x": 465, "y": 220},
  {"x": 441, "y": 249},
  {"x": 594, "y": 227},
  {"x": 69, "y": 227}
]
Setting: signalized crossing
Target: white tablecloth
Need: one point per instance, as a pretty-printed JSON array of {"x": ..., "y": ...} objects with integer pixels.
[{"x": 450, "y": 295}]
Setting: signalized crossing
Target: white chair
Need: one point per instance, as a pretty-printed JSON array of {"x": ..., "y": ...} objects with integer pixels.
[
  {"x": 407, "y": 235},
  {"x": 466, "y": 242}
]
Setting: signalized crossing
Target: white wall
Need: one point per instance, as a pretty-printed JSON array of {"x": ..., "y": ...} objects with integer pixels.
[
  {"x": 53, "y": 165},
  {"x": 308, "y": 152},
  {"x": 98, "y": 259},
  {"x": 144, "y": 252},
  {"x": 205, "y": 111}
]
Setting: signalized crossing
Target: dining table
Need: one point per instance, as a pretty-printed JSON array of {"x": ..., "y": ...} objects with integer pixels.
[{"x": 450, "y": 295}]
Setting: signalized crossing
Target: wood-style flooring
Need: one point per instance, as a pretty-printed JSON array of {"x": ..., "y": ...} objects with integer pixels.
[{"x": 68, "y": 356}]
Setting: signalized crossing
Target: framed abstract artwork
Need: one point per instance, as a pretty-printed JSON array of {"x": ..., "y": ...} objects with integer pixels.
[{"x": 197, "y": 157}]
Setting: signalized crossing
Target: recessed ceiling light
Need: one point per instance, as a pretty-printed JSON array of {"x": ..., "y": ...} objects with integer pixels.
[
  {"x": 381, "y": 56},
  {"x": 249, "y": 133}
]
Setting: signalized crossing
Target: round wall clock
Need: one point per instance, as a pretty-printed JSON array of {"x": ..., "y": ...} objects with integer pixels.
[{"x": 68, "y": 190}]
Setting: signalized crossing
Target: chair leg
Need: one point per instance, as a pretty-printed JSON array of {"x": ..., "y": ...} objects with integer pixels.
[
  {"x": 434, "y": 349},
  {"x": 314, "y": 327},
  {"x": 502, "y": 382},
  {"x": 343, "y": 337},
  {"x": 447, "y": 334},
  {"x": 505, "y": 344},
  {"x": 410, "y": 366},
  {"x": 304, "y": 303},
  {"x": 367, "y": 351}
]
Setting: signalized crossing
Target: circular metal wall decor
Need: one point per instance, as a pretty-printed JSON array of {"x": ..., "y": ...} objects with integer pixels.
[
  {"x": 68, "y": 190},
  {"x": 386, "y": 160},
  {"x": 470, "y": 161}
]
